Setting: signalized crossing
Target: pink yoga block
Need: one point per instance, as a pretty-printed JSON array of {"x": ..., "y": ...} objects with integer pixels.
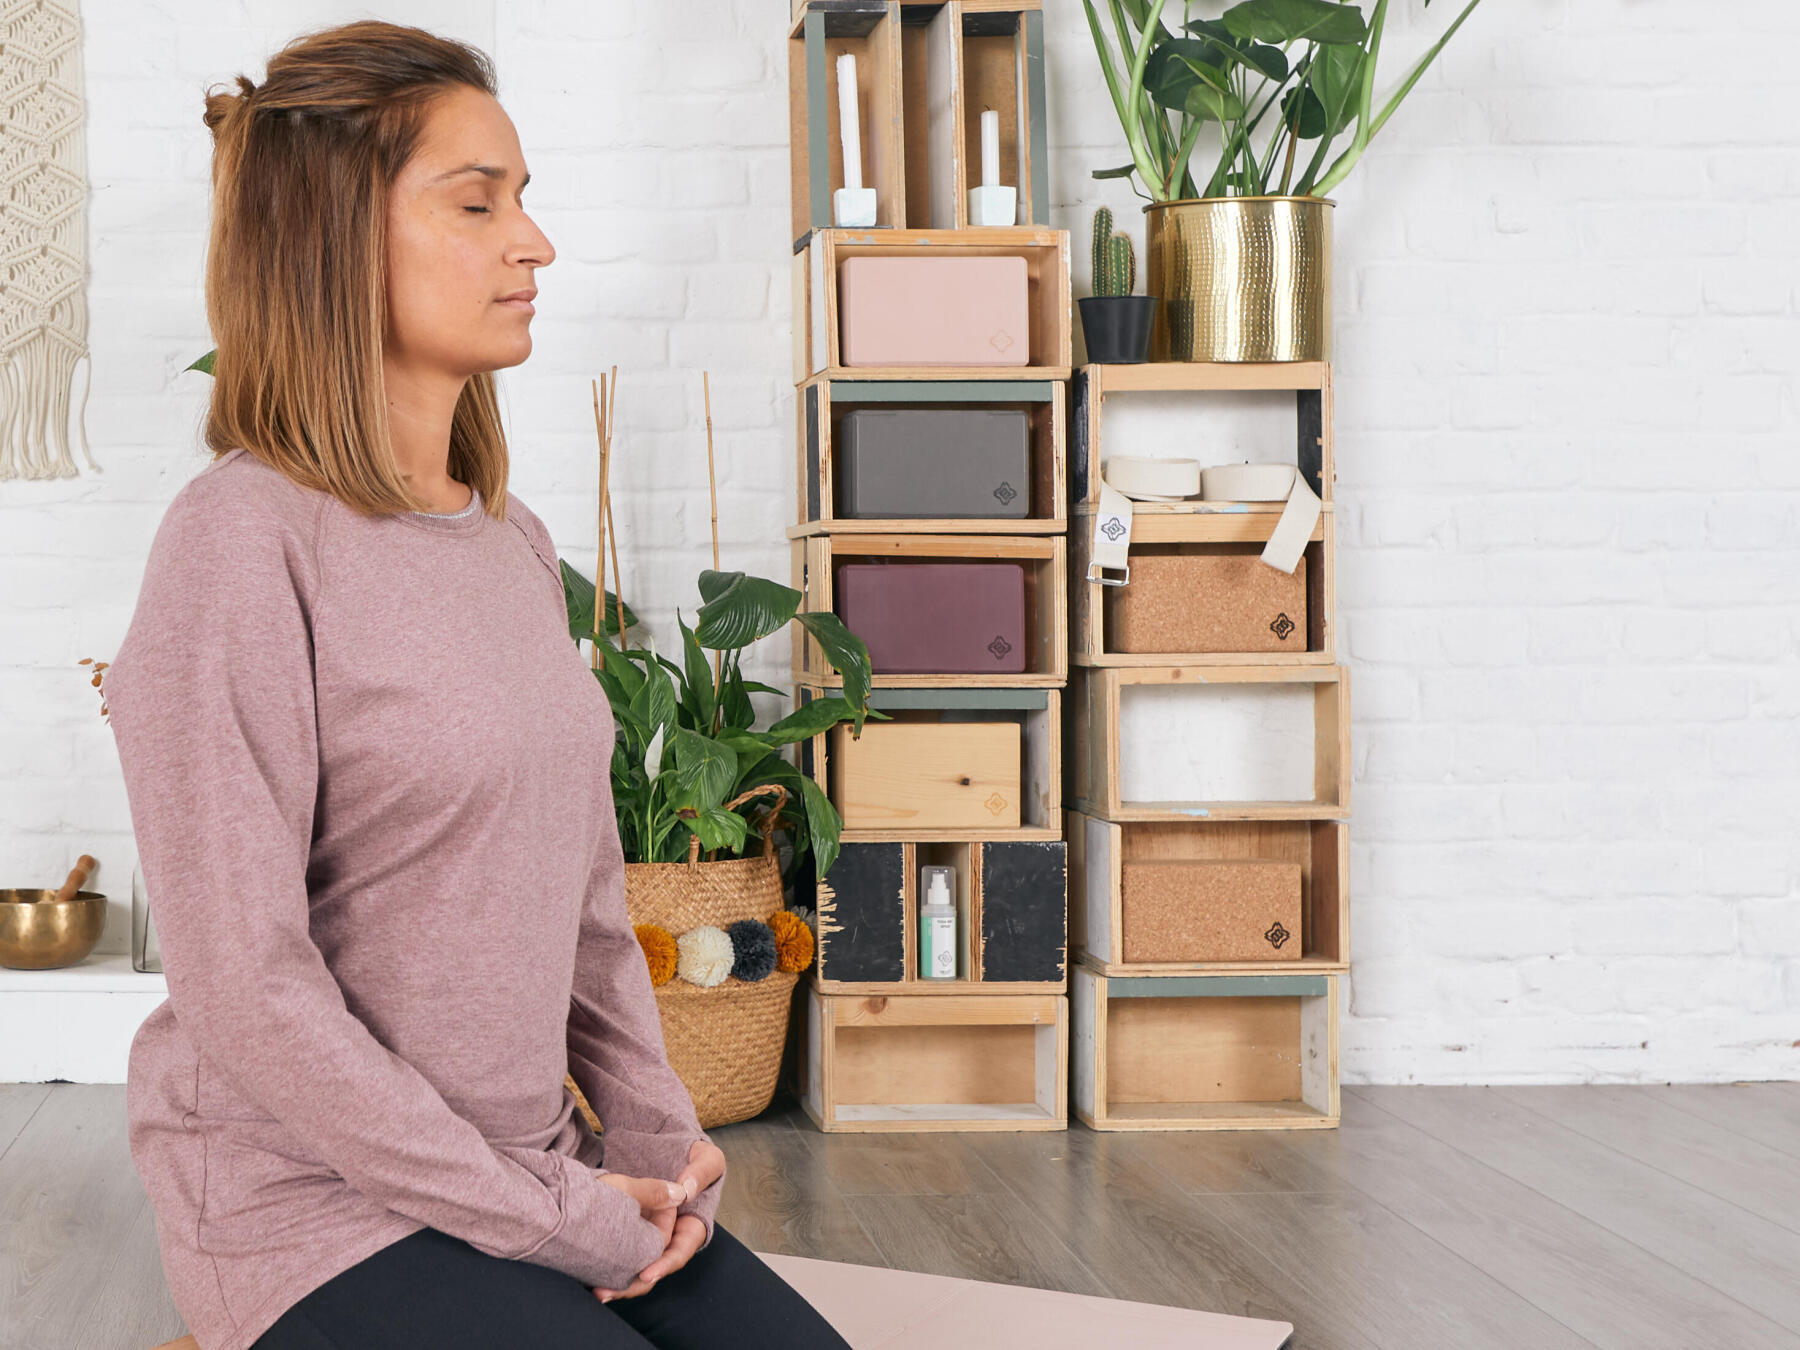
[
  {"x": 936, "y": 618},
  {"x": 934, "y": 312}
]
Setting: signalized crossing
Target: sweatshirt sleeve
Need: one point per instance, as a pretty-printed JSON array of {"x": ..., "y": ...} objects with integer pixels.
[
  {"x": 212, "y": 708},
  {"x": 616, "y": 1052}
]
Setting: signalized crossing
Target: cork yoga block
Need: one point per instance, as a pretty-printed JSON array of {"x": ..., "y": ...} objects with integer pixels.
[
  {"x": 934, "y": 312},
  {"x": 1208, "y": 602},
  {"x": 927, "y": 775},
  {"x": 936, "y": 618},
  {"x": 1205, "y": 910},
  {"x": 934, "y": 463}
]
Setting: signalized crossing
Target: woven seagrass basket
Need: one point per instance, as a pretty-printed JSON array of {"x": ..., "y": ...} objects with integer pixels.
[{"x": 725, "y": 1042}]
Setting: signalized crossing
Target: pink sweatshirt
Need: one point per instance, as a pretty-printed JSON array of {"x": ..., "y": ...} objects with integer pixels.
[{"x": 368, "y": 772}]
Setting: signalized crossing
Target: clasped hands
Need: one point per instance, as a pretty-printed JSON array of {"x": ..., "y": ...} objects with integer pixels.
[{"x": 657, "y": 1202}]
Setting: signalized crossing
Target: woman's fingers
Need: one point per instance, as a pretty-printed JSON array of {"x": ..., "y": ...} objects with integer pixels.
[
  {"x": 651, "y": 1193},
  {"x": 690, "y": 1232},
  {"x": 706, "y": 1164}
]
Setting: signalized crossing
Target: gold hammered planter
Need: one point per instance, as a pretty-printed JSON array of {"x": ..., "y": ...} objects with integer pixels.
[{"x": 1240, "y": 278}]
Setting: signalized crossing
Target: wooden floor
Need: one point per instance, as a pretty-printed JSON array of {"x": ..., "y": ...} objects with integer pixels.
[{"x": 1449, "y": 1218}]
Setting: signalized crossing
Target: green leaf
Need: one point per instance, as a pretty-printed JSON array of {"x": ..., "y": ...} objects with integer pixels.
[
  {"x": 848, "y": 655},
  {"x": 707, "y": 768},
  {"x": 654, "y": 703},
  {"x": 1284, "y": 21},
  {"x": 699, "y": 677},
  {"x": 718, "y": 828},
  {"x": 1309, "y": 122},
  {"x": 811, "y": 718},
  {"x": 823, "y": 824},
  {"x": 741, "y": 609},
  {"x": 1123, "y": 171},
  {"x": 578, "y": 600},
  {"x": 205, "y": 363}
]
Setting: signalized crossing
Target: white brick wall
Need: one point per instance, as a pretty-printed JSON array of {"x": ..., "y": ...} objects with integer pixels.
[{"x": 1569, "y": 484}]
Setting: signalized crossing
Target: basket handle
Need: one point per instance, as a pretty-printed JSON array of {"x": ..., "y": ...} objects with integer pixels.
[{"x": 766, "y": 829}]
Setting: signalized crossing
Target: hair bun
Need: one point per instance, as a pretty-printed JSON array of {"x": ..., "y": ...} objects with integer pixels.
[{"x": 220, "y": 107}]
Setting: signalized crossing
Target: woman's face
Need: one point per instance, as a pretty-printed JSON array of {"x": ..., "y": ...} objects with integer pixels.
[{"x": 460, "y": 246}]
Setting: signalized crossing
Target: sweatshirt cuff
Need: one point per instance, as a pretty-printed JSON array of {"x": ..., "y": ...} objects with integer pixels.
[
  {"x": 602, "y": 1239},
  {"x": 640, "y": 1154}
]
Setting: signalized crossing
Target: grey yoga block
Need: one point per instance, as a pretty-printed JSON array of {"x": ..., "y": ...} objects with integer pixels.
[{"x": 934, "y": 463}]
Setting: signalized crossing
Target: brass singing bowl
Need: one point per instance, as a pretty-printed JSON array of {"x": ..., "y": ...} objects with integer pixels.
[{"x": 39, "y": 932}]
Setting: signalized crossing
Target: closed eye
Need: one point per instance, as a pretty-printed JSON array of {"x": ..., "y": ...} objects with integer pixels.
[{"x": 482, "y": 209}]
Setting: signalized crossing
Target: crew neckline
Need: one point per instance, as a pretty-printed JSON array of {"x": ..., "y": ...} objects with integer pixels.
[{"x": 465, "y": 521}]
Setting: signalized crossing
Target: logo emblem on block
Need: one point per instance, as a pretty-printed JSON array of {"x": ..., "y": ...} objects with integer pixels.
[
  {"x": 1113, "y": 528},
  {"x": 995, "y": 803},
  {"x": 999, "y": 647},
  {"x": 1277, "y": 935},
  {"x": 1006, "y": 492},
  {"x": 1282, "y": 626},
  {"x": 1001, "y": 340}
]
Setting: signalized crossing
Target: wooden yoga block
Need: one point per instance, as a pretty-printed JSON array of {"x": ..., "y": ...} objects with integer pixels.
[
  {"x": 1207, "y": 602},
  {"x": 936, "y": 618},
  {"x": 934, "y": 311},
  {"x": 936, "y": 463},
  {"x": 927, "y": 775},
  {"x": 1203, "y": 910}
]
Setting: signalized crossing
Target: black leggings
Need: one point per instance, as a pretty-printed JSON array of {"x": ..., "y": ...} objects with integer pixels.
[{"x": 431, "y": 1289}]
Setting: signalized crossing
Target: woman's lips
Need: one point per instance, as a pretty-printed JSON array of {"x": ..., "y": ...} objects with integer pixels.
[{"x": 525, "y": 305}]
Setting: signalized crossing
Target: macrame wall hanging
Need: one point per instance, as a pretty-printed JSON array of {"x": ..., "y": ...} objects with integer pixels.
[{"x": 43, "y": 238}]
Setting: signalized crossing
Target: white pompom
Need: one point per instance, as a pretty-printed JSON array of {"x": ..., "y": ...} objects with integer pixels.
[{"x": 703, "y": 956}]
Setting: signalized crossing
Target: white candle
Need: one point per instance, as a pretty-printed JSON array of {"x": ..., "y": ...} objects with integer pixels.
[
  {"x": 848, "y": 128},
  {"x": 990, "y": 148}
]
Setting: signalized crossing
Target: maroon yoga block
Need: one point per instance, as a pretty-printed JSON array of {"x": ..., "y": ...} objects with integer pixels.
[{"x": 936, "y": 618}]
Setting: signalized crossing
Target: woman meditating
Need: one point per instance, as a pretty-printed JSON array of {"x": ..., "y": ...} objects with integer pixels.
[{"x": 369, "y": 775}]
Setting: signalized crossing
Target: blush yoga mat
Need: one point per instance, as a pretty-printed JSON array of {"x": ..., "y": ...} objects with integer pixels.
[{"x": 878, "y": 1309}]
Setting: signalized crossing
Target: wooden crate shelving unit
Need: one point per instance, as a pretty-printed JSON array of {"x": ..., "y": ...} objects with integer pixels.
[
  {"x": 1204, "y": 1052},
  {"x": 1204, "y": 1045},
  {"x": 924, "y": 73},
  {"x": 884, "y": 1050}
]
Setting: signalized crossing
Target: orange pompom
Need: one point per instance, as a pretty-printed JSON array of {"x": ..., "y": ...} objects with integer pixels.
[
  {"x": 793, "y": 941},
  {"x": 659, "y": 951}
]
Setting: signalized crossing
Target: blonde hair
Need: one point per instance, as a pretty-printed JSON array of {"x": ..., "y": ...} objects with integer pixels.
[{"x": 296, "y": 263}]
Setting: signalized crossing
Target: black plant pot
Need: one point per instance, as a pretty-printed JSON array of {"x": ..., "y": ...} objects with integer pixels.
[{"x": 1117, "y": 328}]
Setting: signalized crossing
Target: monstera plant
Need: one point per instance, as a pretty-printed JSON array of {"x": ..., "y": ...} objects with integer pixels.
[
  {"x": 687, "y": 742},
  {"x": 1294, "y": 72}
]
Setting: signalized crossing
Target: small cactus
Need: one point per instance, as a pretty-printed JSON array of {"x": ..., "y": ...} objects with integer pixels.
[{"x": 1115, "y": 265}]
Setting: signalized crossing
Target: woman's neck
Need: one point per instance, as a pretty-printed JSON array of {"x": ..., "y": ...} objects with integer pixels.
[{"x": 421, "y": 408}]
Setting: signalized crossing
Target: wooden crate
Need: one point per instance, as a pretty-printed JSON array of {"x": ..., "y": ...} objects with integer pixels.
[
  {"x": 815, "y": 303},
  {"x": 1044, "y": 558},
  {"x": 1099, "y": 848},
  {"x": 1200, "y": 532},
  {"x": 1204, "y": 1052},
  {"x": 801, "y": 7},
  {"x": 821, "y": 403},
  {"x": 906, "y": 1063},
  {"x": 932, "y": 69},
  {"x": 1012, "y": 918},
  {"x": 1098, "y": 785},
  {"x": 1092, "y": 385},
  {"x": 1038, "y": 714},
  {"x": 870, "y": 29}
]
